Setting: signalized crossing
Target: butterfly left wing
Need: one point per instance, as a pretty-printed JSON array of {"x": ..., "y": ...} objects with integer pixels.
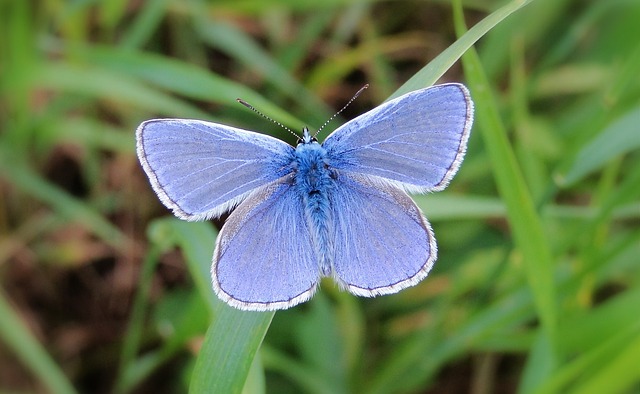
[
  {"x": 382, "y": 241},
  {"x": 416, "y": 141},
  {"x": 201, "y": 169},
  {"x": 264, "y": 259}
]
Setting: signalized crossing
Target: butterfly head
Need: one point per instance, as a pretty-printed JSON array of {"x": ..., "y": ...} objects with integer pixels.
[{"x": 306, "y": 138}]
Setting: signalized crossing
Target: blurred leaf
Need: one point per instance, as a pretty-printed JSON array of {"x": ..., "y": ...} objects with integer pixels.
[
  {"x": 255, "y": 383},
  {"x": 328, "y": 360},
  {"x": 117, "y": 88},
  {"x": 29, "y": 182},
  {"x": 17, "y": 336},
  {"x": 527, "y": 227},
  {"x": 618, "y": 138},
  {"x": 598, "y": 337},
  {"x": 145, "y": 23},
  {"x": 184, "y": 79},
  {"x": 436, "y": 68},
  {"x": 228, "y": 350},
  {"x": 234, "y": 336},
  {"x": 240, "y": 46},
  {"x": 299, "y": 373}
]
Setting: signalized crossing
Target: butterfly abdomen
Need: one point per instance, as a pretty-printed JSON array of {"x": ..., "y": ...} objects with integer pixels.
[{"x": 314, "y": 181}]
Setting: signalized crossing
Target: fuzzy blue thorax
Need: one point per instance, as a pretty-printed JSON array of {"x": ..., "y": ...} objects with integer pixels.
[{"x": 314, "y": 180}]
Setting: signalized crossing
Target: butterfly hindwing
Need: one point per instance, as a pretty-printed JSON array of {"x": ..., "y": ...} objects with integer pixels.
[
  {"x": 264, "y": 259},
  {"x": 201, "y": 169},
  {"x": 416, "y": 141},
  {"x": 383, "y": 242}
]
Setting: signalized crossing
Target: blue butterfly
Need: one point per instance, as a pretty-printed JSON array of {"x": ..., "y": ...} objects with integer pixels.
[{"x": 336, "y": 209}]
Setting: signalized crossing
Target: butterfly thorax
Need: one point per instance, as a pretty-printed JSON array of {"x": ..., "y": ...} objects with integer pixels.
[{"x": 314, "y": 180}]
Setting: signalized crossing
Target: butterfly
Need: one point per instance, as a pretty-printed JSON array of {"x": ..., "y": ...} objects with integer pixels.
[{"x": 337, "y": 209}]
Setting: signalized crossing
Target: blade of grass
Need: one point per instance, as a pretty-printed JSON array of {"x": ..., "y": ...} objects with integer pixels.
[
  {"x": 240, "y": 46},
  {"x": 145, "y": 24},
  {"x": 300, "y": 373},
  {"x": 436, "y": 68},
  {"x": 618, "y": 374},
  {"x": 578, "y": 367},
  {"x": 116, "y": 87},
  {"x": 596, "y": 337},
  {"x": 133, "y": 335},
  {"x": 24, "y": 178},
  {"x": 180, "y": 317},
  {"x": 256, "y": 382},
  {"x": 17, "y": 60},
  {"x": 228, "y": 350},
  {"x": 524, "y": 220},
  {"x": 181, "y": 78},
  {"x": 234, "y": 336},
  {"x": 619, "y": 138},
  {"x": 17, "y": 337}
]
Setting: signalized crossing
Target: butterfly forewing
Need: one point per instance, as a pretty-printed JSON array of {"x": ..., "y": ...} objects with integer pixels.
[
  {"x": 416, "y": 141},
  {"x": 264, "y": 259},
  {"x": 201, "y": 169}
]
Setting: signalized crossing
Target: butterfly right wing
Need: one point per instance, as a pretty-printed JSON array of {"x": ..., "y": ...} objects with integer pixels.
[
  {"x": 264, "y": 258},
  {"x": 416, "y": 141},
  {"x": 383, "y": 243},
  {"x": 201, "y": 169}
]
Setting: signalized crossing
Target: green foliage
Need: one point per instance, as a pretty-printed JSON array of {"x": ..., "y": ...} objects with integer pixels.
[{"x": 537, "y": 285}]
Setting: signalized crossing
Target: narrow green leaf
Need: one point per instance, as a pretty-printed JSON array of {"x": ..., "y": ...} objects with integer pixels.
[
  {"x": 234, "y": 336},
  {"x": 620, "y": 137},
  {"x": 304, "y": 376},
  {"x": 436, "y": 68},
  {"x": 24, "y": 178},
  {"x": 132, "y": 339},
  {"x": 145, "y": 24},
  {"x": 103, "y": 84},
  {"x": 228, "y": 350},
  {"x": 197, "y": 241},
  {"x": 240, "y": 46},
  {"x": 524, "y": 220},
  {"x": 447, "y": 206},
  {"x": 182, "y": 78},
  {"x": 17, "y": 336},
  {"x": 256, "y": 382}
]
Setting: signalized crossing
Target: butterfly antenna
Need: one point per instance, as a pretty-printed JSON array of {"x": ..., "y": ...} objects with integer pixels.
[
  {"x": 355, "y": 96},
  {"x": 251, "y": 107}
]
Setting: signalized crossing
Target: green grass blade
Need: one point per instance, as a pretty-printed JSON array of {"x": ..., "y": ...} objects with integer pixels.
[
  {"x": 24, "y": 178},
  {"x": 240, "y": 46},
  {"x": 596, "y": 338},
  {"x": 197, "y": 241},
  {"x": 99, "y": 83},
  {"x": 619, "y": 138},
  {"x": 304, "y": 376},
  {"x": 256, "y": 382},
  {"x": 526, "y": 224},
  {"x": 234, "y": 336},
  {"x": 436, "y": 68},
  {"x": 228, "y": 350},
  {"x": 592, "y": 358},
  {"x": 145, "y": 24},
  {"x": 17, "y": 336},
  {"x": 133, "y": 335},
  {"x": 183, "y": 79}
]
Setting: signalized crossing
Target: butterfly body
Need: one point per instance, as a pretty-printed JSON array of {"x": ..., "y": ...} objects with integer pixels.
[
  {"x": 338, "y": 209},
  {"x": 314, "y": 181}
]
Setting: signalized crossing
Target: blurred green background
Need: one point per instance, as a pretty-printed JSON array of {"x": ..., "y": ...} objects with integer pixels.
[{"x": 537, "y": 286}]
